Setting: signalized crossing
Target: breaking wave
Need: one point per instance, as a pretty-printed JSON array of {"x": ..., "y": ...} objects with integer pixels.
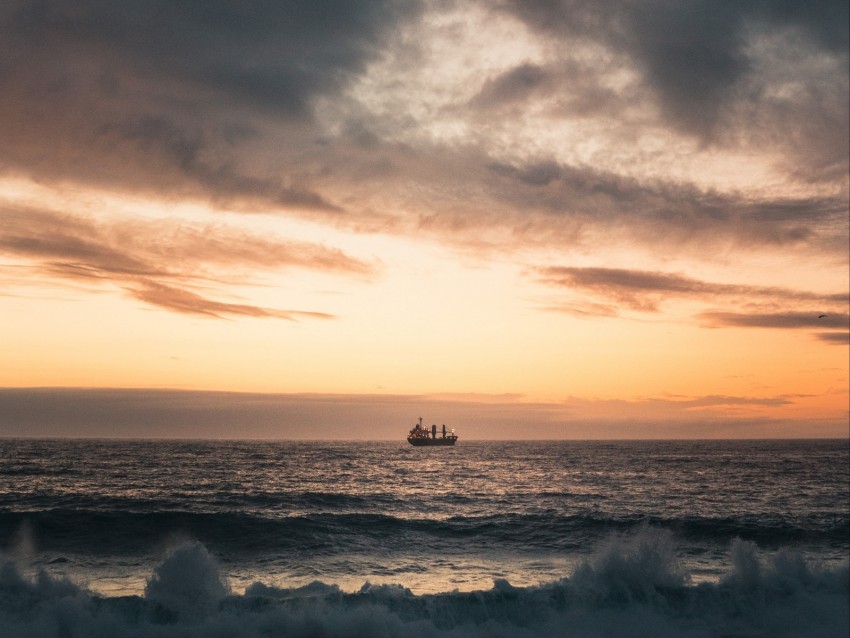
[{"x": 631, "y": 586}]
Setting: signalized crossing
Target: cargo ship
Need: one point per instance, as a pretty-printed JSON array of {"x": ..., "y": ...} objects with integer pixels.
[{"x": 422, "y": 436}]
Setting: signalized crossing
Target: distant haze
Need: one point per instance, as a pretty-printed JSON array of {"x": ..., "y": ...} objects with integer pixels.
[{"x": 150, "y": 413}]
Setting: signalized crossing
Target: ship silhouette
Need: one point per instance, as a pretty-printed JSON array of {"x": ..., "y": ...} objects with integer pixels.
[{"x": 422, "y": 436}]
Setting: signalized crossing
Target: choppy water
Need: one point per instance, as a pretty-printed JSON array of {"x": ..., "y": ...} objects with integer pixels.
[{"x": 507, "y": 538}]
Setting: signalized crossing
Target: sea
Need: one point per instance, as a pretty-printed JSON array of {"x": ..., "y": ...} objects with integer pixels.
[{"x": 162, "y": 538}]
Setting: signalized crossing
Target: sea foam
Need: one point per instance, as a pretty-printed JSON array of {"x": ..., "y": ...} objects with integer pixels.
[{"x": 632, "y": 586}]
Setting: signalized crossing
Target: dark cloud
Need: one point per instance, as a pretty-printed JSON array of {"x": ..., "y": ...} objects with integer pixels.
[
  {"x": 278, "y": 55},
  {"x": 826, "y": 21},
  {"x": 535, "y": 174},
  {"x": 129, "y": 254},
  {"x": 692, "y": 55},
  {"x": 189, "y": 153},
  {"x": 515, "y": 84},
  {"x": 705, "y": 64},
  {"x": 157, "y": 95},
  {"x": 596, "y": 198},
  {"x": 567, "y": 88}
]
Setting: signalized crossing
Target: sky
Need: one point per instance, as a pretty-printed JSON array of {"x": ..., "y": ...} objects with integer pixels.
[{"x": 324, "y": 219}]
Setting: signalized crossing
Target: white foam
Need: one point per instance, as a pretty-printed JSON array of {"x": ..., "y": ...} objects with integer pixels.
[
  {"x": 632, "y": 586},
  {"x": 188, "y": 582}
]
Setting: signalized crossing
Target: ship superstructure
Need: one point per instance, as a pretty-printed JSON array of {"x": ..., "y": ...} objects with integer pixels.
[{"x": 423, "y": 436}]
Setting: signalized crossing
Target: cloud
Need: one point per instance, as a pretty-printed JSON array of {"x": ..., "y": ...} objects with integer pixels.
[
  {"x": 316, "y": 108},
  {"x": 702, "y": 60},
  {"x": 837, "y": 338},
  {"x": 710, "y": 401},
  {"x": 72, "y": 253},
  {"x": 786, "y": 320},
  {"x": 184, "y": 301},
  {"x": 280, "y": 56},
  {"x": 515, "y": 84},
  {"x": 584, "y": 309},
  {"x": 196, "y": 164},
  {"x": 467, "y": 197},
  {"x": 691, "y": 56},
  {"x": 540, "y": 173},
  {"x": 159, "y": 262},
  {"x": 600, "y": 198},
  {"x": 645, "y": 290},
  {"x": 170, "y": 97}
]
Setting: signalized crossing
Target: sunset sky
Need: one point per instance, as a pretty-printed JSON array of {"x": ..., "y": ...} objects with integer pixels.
[{"x": 530, "y": 219}]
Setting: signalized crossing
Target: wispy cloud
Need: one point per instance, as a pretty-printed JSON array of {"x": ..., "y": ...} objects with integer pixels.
[
  {"x": 160, "y": 262},
  {"x": 646, "y": 290},
  {"x": 837, "y": 338},
  {"x": 180, "y": 300},
  {"x": 601, "y": 203},
  {"x": 785, "y": 321}
]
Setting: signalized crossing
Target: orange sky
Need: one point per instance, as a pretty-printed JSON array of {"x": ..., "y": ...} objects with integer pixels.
[{"x": 500, "y": 213}]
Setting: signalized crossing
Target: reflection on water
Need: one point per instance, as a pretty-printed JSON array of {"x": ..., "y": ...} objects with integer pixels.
[{"x": 434, "y": 519}]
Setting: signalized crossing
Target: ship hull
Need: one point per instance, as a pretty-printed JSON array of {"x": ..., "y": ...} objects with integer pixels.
[{"x": 431, "y": 442}]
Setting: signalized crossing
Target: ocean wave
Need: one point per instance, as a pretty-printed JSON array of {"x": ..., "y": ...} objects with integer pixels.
[
  {"x": 119, "y": 531},
  {"x": 632, "y": 586}
]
